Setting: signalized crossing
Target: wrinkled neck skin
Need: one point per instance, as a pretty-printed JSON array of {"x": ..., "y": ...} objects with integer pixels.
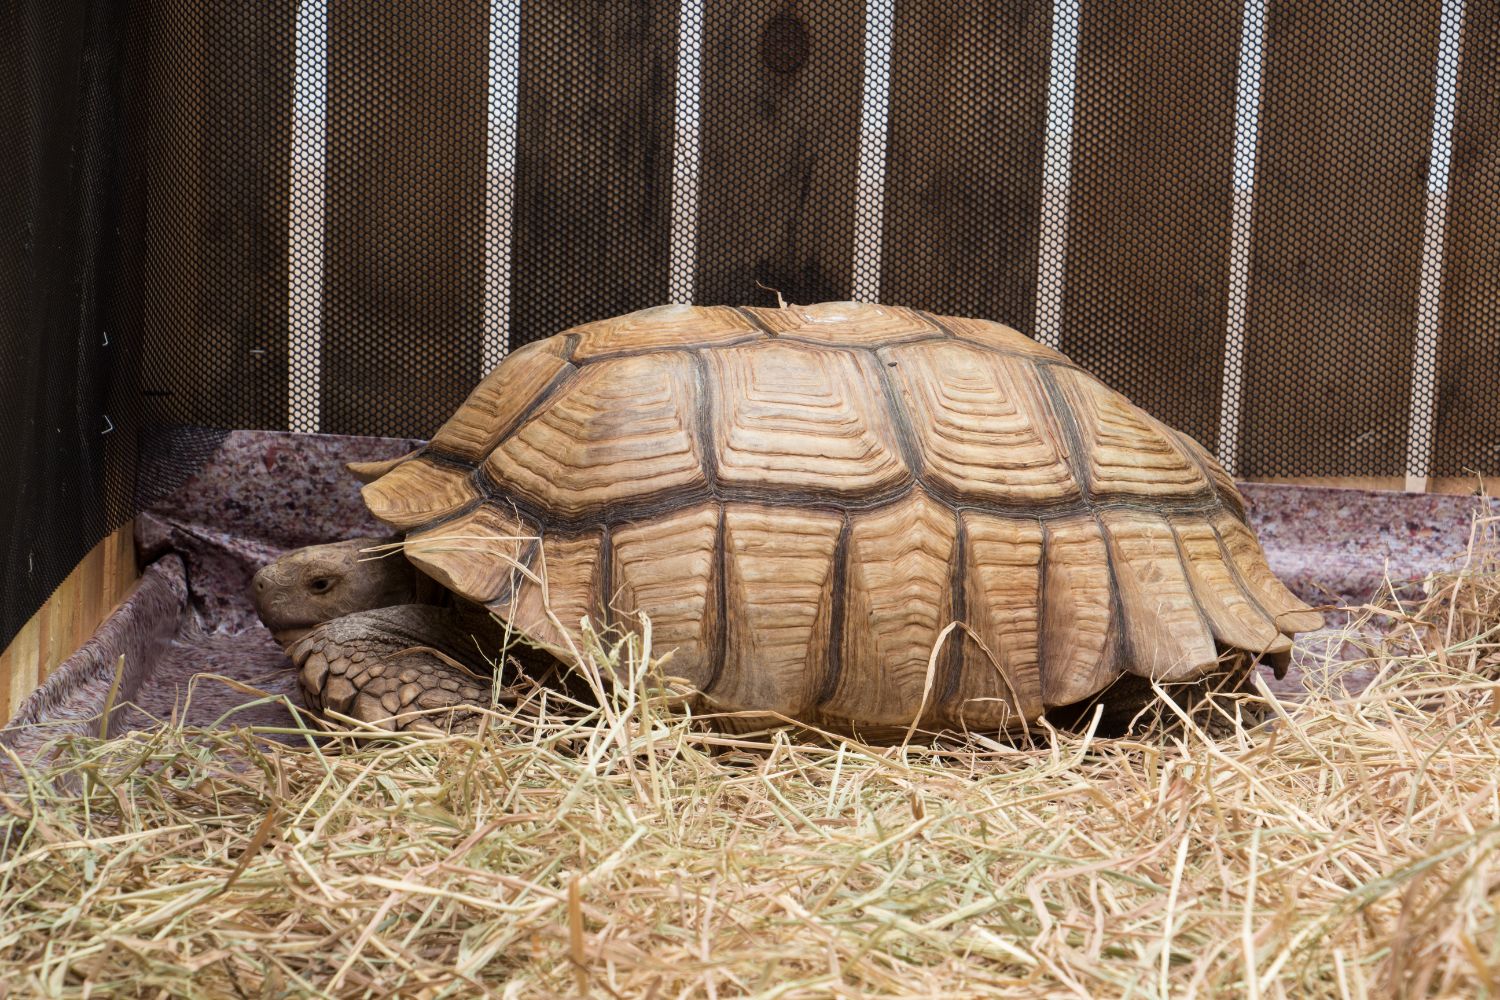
[{"x": 310, "y": 586}]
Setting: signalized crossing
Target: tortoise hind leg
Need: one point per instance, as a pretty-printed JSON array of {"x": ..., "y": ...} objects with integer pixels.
[{"x": 412, "y": 666}]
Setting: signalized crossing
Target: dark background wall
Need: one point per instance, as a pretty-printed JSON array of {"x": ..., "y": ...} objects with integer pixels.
[{"x": 296, "y": 215}]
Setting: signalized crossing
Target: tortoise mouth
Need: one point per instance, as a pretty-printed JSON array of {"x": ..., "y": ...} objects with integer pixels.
[{"x": 287, "y": 636}]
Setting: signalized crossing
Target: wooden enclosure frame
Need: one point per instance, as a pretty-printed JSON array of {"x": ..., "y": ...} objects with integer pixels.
[{"x": 69, "y": 617}]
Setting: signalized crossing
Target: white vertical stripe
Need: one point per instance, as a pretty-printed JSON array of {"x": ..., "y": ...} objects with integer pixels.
[
  {"x": 1434, "y": 229},
  {"x": 685, "y": 153},
  {"x": 1246, "y": 148},
  {"x": 305, "y": 301},
  {"x": 869, "y": 198},
  {"x": 500, "y": 175},
  {"x": 1052, "y": 252}
]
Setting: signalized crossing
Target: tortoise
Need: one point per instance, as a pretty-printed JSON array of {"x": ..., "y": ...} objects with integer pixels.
[{"x": 802, "y": 500}]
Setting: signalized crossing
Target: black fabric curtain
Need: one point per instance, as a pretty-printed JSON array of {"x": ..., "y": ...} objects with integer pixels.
[{"x": 69, "y": 291}]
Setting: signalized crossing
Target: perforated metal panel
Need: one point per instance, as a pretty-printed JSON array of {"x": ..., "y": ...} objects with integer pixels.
[{"x": 1272, "y": 223}]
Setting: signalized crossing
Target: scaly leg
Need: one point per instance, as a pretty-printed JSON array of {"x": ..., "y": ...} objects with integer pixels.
[{"x": 412, "y": 666}]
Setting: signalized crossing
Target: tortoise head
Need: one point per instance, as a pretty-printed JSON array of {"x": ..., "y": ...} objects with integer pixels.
[{"x": 310, "y": 586}]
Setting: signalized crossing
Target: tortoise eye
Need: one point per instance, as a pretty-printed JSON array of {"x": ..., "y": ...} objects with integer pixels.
[{"x": 321, "y": 585}]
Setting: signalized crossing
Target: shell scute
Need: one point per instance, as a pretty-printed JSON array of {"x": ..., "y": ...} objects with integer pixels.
[
  {"x": 1000, "y": 682},
  {"x": 562, "y": 588},
  {"x": 1124, "y": 451},
  {"x": 1236, "y": 619},
  {"x": 792, "y": 417},
  {"x": 1168, "y": 638},
  {"x": 662, "y": 327},
  {"x": 1287, "y": 610},
  {"x": 999, "y": 337},
  {"x": 847, "y": 324},
  {"x": 497, "y": 404},
  {"x": 780, "y": 577},
  {"x": 477, "y": 554},
  {"x": 984, "y": 424},
  {"x": 1081, "y": 649},
  {"x": 899, "y": 597},
  {"x": 625, "y": 428},
  {"x": 668, "y": 568},
  {"x": 418, "y": 492}
]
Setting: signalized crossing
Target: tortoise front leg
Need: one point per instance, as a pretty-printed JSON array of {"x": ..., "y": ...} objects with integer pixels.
[{"x": 413, "y": 666}]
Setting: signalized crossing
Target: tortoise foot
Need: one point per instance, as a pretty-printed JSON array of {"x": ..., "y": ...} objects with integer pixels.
[{"x": 411, "y": 667}]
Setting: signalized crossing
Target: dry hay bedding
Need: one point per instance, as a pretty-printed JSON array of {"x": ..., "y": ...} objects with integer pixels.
[{"x": 1343, "y": 848}]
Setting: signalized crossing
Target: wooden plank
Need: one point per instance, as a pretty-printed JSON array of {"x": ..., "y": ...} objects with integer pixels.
[
  {"x": 1150, "y": 204},
  {"x": 69, "y": 617},
  {"x": 1340, "y": 190},
  {"x": 780, "y": 150},
  {"x": 403, "y": 266},
  {"x": 1451, "y": 485},
  {"x": 93, "y": 582},
  {"x": 1468, "y": 405},
  {"x": 593, "y": 162},
  {"x": 963, "y": 195},
  {"x": 18, "y": 666},
  {"x": 59, "y": 619}
]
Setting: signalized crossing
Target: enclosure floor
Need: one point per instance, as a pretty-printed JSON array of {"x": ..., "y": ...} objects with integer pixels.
[
  {"x": 183, "y": 686},
  {"x": 266, "y": 493}
]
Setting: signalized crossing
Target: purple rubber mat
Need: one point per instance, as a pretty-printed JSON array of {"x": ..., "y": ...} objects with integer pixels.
[{"x": 265, "y": 493}]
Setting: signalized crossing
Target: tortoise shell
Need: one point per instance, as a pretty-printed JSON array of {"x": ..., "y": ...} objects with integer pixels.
[{"x": 803, "y": 500}]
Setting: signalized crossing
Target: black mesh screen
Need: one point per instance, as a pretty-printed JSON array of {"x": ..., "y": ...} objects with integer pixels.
[
  {"x": 1273, "y": 223},
  {"x": 70, "y": 286}
]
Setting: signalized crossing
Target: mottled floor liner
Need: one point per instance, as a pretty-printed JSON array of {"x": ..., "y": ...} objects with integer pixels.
[{"x": 265, "y": 493}]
